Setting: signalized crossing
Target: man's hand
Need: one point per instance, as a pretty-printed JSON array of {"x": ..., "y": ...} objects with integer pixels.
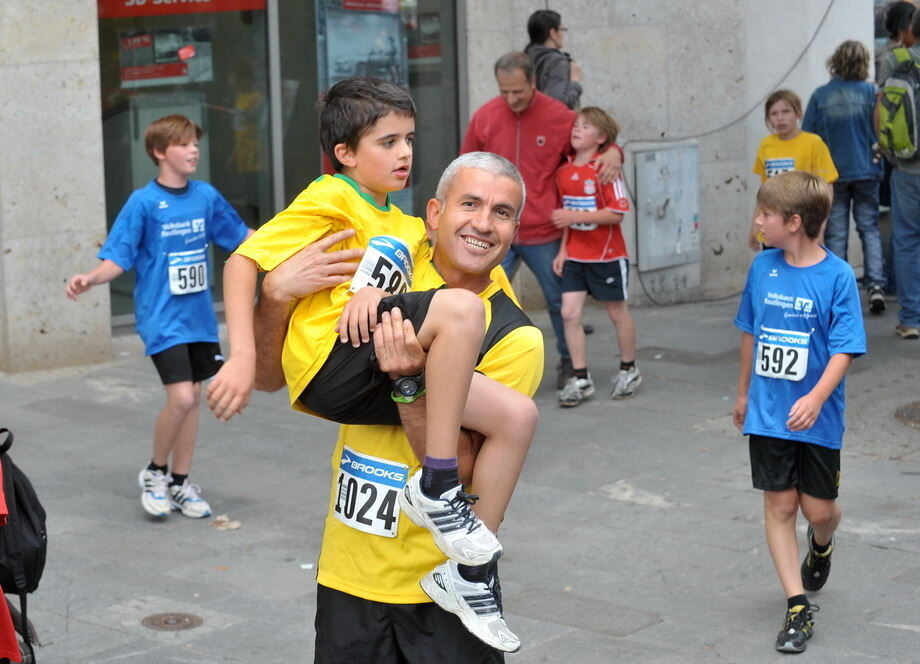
[
  {"x": 609, "y": 165},
  {"x": 739, "y": 411},
  {"x": 229, "y": 391},
  {"x": 398, "y": 350},
  {"x": 360, "y": 316},
  {"x": 312, "y": 269},
  {"x": 804, "y": 412},
  {"x": 562, "y": 218}
]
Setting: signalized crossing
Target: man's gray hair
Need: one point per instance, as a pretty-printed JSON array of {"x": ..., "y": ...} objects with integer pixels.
[
  {"x": 507, "y": 63},
  {"x": 491, "y": 163}
]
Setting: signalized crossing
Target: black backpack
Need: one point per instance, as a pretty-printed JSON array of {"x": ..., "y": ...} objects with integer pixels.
[{"x": 23, "y": 540}]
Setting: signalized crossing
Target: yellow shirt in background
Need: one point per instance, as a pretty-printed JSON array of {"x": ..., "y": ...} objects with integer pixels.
[{"x": 806, "y": 152}]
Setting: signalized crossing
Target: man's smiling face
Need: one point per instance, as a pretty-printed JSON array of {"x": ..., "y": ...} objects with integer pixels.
[{"x": 474, "y": 226}]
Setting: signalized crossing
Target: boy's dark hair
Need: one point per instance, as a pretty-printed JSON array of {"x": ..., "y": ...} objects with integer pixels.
[
  {"x": 850, "y": 61},
  {"x": 509, "y": 62},
  {"x": 603, "y": 122},
  {"x": 787, "y": 96},
  {"x": 169, "y": 130},
  {"x": 797, "y": 192},
  {"x": 351, "y": 107},
  {"x": 540, "y": 23},
  {"x": 898, "y": 18}
]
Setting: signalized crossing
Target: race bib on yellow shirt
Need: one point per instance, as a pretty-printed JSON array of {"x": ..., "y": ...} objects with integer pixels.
[
  {"x": 367, "y": 493},
  {"x": 386, "y": 264},
  {"x": 782, "y": 354},
  {"x": 188, "y": 271}
]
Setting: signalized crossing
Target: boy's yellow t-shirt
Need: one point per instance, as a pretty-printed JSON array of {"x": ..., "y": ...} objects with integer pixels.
[
  {"x": 328, "y": 205},
  {"x": 806, "y": 152}
]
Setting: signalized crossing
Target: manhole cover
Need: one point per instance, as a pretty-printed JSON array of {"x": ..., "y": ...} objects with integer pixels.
[
  {"x": 172, "y": 622},
  {"x": 909, "y": 415}
]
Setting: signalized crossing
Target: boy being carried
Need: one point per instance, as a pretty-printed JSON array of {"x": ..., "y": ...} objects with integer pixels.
[
  {"x": 163, "y": 231},
  {"x": 367, "y": 129},
  {"x": 801, "y": 327},
  {"x": 592, "y": 257}
]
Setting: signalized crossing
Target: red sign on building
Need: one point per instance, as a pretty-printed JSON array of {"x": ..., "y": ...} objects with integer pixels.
[{"x": 131, "y": 8}]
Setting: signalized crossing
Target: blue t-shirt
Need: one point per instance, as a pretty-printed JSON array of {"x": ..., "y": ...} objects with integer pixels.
[
  {"x": 840, "y": 112},
  {"x": 165, "y": 236},
  {"x": 799, "y": 317}
]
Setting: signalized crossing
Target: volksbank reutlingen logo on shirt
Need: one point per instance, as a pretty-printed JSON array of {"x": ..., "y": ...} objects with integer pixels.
[{"x": 373, "y": 469}]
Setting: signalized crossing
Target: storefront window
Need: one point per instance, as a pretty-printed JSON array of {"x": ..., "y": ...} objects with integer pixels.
[
  {"x": 411, "y": 43},
  {"x": 206, "y": 60}
]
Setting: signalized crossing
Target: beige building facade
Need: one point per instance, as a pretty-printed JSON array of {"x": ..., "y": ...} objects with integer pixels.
[{"x": 667, "y": 70}]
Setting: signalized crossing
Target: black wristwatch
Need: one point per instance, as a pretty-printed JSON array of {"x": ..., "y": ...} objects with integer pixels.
[{"x": 408, "y": 389}]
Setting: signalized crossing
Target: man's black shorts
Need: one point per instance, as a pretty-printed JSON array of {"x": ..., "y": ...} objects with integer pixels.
[
  {"x": 193, "y": 362},
  {"x": 778, "y": 464},
  {"x": 353, "y": 630},
  {"x": 605, "y": 282},
  {"x": 349, "y": 389}
]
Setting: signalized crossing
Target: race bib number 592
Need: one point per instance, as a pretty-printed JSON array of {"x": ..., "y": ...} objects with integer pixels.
[
  {"x": 367, "y": 492},
  {"x": 781, "y": 354}
]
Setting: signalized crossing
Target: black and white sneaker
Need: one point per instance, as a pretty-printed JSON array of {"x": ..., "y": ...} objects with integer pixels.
[
  {"x": 876, "y": 299},
  {"x": 797, "y": 628},
  {"x": 457, "y": 531},
  {"x": 477, "y": 604}
]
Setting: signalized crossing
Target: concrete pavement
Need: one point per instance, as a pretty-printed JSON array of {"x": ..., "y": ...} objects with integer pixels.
[{"x": 634, "y": 535}]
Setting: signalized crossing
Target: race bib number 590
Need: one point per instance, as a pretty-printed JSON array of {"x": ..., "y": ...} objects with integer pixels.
[
  {"x": 367, "y": 492},
  {"x": 781, "y": 354},
  {"x": 188, "y": 272}
]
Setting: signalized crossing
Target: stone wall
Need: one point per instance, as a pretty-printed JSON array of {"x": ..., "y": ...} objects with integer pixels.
[{"x": 52, "y": 209}]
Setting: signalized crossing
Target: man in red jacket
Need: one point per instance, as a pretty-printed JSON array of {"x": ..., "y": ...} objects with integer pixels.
[{"x": 532, "y": 130}]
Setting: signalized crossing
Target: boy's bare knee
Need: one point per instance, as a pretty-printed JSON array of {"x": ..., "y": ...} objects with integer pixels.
[
  {"x": 460, "y": 305},
  {"x": 182, "y": 401},
  {"x": 524, "y": 416},
  {"x": 821, "y": 514},
  {"x": 781, "y": 504},
  {"x": 570, "y": 314}
]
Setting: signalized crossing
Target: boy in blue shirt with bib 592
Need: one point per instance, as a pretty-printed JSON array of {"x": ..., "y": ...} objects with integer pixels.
[
  {"x": 164, "y": 232},
  {"x": 801, "y": 327}
]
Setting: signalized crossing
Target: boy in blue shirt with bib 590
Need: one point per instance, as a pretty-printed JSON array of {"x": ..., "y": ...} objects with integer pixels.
[
  {"x": 164, "y": 232},
  {"x": 801, "y": 327}
]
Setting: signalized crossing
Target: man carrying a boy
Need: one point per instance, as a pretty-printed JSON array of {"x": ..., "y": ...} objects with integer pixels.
[
  {"x": 801, "y": 326},
  {"x": 531, "y": 130},
  {"x": 369, "y": 603}
]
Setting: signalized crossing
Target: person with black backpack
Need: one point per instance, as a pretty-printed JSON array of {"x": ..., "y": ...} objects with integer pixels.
[
  {"x": 23, "y": 539},
  {"x": 897, "y": 126}
]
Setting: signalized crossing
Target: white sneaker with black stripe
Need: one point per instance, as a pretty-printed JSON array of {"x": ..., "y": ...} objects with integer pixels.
[
  {"x": 475, "y": 603},
  {"x": 186, "y": 498},
  {"x": 457, "y": 531},
  {"x": 155, "y": 494}
]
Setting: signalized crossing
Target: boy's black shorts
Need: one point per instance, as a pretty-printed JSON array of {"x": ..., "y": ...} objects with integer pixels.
[
  {"x": 193, "y": 362},
  {"x": 351, "y": 629},
  {"x": 606, "y": 282},
  {"x": 778, "y": 464},
  {"x": 349, "y": 389}
]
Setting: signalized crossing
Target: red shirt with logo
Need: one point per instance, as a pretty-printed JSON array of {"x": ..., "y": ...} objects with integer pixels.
[
  {"x": 536, "y": 140},
  {"x": 580, "y": 190}
]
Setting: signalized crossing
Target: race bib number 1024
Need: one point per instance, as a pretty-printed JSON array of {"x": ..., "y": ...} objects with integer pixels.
[{"x": 367, "y": 492}]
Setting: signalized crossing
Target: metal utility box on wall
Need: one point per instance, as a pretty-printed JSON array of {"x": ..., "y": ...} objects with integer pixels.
[{"x": 666, "y": 185}]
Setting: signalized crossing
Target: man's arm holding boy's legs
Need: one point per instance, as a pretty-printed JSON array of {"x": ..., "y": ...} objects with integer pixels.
[
  {"x": 309, "y": 270},
  {"x": 744, "y": 380}
]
